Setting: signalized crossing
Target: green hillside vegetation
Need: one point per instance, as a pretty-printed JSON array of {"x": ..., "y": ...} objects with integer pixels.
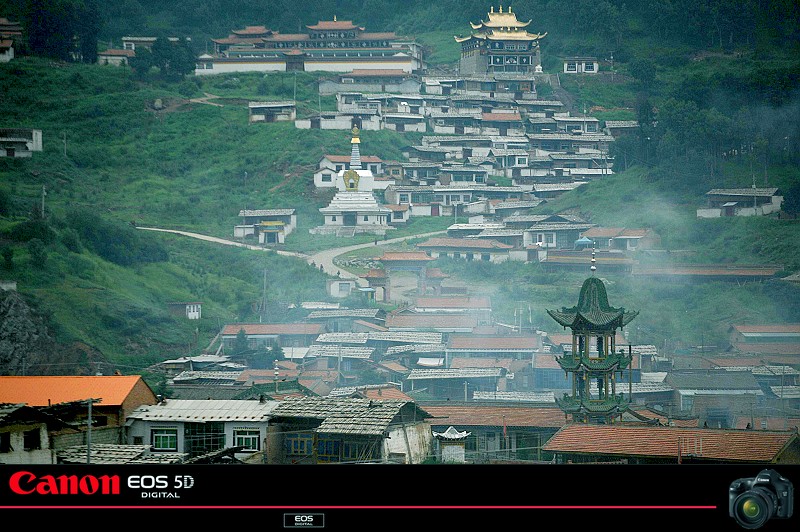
[{"x": 124, "y": 148}]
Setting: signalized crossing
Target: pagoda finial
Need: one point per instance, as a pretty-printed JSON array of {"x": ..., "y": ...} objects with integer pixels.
[
  {"x": 501, "y": 8},
  {"x": 593, "y": 268},
  {"x": 334, "y": 18},
  {"x": 491, "y": 10}
]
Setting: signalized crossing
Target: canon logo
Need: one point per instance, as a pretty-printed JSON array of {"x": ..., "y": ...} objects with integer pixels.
[{"x": 26, "y": 483}]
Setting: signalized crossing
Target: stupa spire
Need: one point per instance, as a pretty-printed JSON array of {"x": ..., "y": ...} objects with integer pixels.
[{"x": 355, "y": 152}]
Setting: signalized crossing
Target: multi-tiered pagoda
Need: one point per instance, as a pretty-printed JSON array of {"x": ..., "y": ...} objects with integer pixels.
[
  {"x": 593, "y": 362},
  {"x": 500, "y": 44}
]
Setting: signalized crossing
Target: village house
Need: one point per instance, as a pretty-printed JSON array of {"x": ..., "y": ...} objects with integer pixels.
[
  {"x": 26, "y": 434},
  {"x": 479, "y": 249},
  {"x": 741, "y": 202},
  {"x": 6, "y": 50},
  {"x": 103, "y": 401},
  {"x": 715, "y": 396},
  {"x": 372, "y": 81},
  {"x": 622, "y": 238},
  {"x": 115, "y": 57},
  {"x": 330, "y": 45},
  {"x": 266, "y": 335},
  {"x": 632, "y": 444},
  {"x": 768, "y": 339},
  {"x": 331, "y": 166},
  {"x": 271, "y": 111},
  {"x": 581, "y": 65},
  {"x": 498, "y": 432},
  {"x": 198, "y": 427},
  {"x": 319, "y": 430},
  {"x": 268, "y": 226},
  {"x": 191, "y": 310},
  {"x": 20, "y": 142}
]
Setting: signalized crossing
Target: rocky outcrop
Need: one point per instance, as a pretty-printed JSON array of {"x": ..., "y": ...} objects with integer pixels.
[{"x": 28, "y": 348}]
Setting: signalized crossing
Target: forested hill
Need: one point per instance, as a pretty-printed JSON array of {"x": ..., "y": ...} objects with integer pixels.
[{"x": 600, "y": 26}]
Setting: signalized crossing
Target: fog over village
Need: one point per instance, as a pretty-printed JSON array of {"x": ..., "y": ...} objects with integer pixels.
[{"x": 465, "y": 233}]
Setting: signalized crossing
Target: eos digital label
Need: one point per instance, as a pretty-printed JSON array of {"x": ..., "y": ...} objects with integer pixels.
[
  {"x": 303, "y": 520},
  {"x": 160, "y": 486}
]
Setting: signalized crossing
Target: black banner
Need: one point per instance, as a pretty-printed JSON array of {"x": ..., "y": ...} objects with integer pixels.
[{"x": 372, "y": 496}]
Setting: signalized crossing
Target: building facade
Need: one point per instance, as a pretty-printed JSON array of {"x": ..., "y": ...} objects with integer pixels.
[{"x": 500, "y": 44}]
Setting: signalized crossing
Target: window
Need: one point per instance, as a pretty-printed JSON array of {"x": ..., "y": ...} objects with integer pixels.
[
  {"x": 572, "y": 66},
  {"x": 403, "y": 198},
  {"x": 328, "y": 451},
  {"x": 5, "y": 442},
  {"x": 202, "y": 438},
  {"x": 138, "y": 440},
  {"x": 250, "y": 439},
  {"x": 164, "y": 439},
  {"x": 32, "y": 440},
  {"x": 366, "y": 218},
  {"x": 333, "y": 218},
  {"x": 486, "y": 257},
  {"x": 326, "y": 178},
  {"x": 588, "y": 67},
  {"x": 298, "y": 443}
]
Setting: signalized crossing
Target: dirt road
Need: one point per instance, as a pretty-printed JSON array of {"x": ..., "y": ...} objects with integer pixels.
[{"x": 324, "y": 258}]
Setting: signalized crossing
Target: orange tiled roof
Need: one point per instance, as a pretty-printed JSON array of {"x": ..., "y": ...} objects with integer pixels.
[
  {"x": 773, "y": 423},
  {"x": 51, "y": 390},
  {"x": 385, "y": 392},
  {"x": 492, "y": 416},
  {"x": 709, "y": 444}
]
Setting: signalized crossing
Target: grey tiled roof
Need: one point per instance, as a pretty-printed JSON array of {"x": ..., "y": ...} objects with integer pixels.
[{"x": 347, "y": 415}]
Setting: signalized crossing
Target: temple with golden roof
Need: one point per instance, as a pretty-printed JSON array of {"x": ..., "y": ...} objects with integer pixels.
[{"x": 500, "y": 44}]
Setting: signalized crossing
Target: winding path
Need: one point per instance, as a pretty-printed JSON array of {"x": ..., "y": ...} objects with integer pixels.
[{"x": 323, "y": 258}]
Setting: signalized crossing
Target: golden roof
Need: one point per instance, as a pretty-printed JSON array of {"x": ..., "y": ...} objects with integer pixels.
[{"x": 500, "y": 20}]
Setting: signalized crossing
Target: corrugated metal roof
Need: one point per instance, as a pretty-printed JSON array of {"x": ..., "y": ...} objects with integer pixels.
[{"x": 205, "y": 411}]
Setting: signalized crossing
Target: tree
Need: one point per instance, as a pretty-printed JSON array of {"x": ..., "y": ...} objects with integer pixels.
[
  {"x": 63, "y": 29},
  {"x": 276, "y": 352},
  {"x": 240, "y": 345},
  {"x": 643, "y": 71},
  {"x": 88, "y": 23},
  {"x": 8, "y": 257},
  {"x": 38, "y": 252}
]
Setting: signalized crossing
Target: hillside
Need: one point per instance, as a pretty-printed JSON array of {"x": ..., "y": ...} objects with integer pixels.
[{"x": 121, "y": 150}]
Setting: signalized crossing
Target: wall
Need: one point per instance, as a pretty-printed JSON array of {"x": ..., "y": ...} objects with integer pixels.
[{"x": 413, "y": 440}]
